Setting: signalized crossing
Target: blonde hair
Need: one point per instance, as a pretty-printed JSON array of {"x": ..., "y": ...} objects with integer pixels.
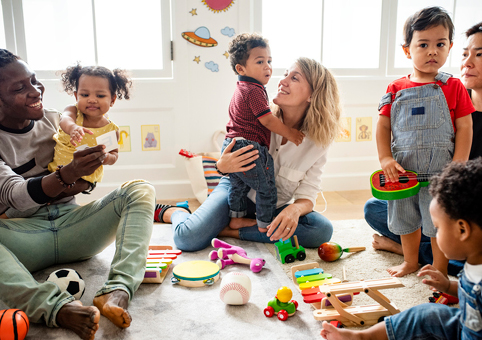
[{"x": 321, "y": 122}]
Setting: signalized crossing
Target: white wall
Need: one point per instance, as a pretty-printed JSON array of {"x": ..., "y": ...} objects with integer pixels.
[{"x": 192, "y": 105}]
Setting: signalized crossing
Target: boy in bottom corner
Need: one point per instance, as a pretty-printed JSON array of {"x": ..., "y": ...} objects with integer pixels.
[{"x": 456, "y": 214}]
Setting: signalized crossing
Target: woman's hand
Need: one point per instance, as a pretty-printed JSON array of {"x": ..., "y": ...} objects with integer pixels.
[
  {"x": 285, "y": 224},
  {"x": 237, "y": 161},
  {"x": 438, "y": 281}
]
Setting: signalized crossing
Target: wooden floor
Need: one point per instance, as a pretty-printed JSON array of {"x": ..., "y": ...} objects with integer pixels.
[{"x": 342, "y": 205}]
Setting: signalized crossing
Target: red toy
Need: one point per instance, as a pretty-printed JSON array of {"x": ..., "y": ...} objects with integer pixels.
[
  {"x": 13, "y": 324},
  {"x": 331, "y": 251},
  {"x": 443, "y": 298}
]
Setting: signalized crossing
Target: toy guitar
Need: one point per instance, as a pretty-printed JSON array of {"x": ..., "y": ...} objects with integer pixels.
[{"x": 409, "y": 184}]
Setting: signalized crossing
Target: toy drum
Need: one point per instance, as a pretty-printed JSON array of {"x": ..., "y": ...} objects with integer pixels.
[{"x": 195, "y": 273}]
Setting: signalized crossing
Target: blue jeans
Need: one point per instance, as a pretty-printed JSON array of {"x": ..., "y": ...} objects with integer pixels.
[
  {"x": 376, "y": 215},
  {"x": 58, "y": 234},
  {"x": 432, "y": 321},
  {"x": 260, "y": 178},
  {"x": 195, "y": 231}
]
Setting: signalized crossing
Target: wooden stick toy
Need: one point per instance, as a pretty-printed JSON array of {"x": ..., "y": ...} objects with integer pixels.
[
  {"x": 331, "y": 251},
  {"x": 159, "y": 259},
  {"x": 358, "y": 315}
]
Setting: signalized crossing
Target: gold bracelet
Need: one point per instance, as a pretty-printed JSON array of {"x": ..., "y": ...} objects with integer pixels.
[{"x": 59, "y": 178}]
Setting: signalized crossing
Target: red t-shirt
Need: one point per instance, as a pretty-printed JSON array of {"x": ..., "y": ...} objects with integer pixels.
[{"x": 456, "y": 95}]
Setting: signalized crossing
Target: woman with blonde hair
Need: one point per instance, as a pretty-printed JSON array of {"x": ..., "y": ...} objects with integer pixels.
[{"x": 307, "y": 99}]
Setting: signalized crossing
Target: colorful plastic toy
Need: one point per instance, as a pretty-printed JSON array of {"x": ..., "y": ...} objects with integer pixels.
[
  {"x": 229, "y": 254},
  {"x": 195, "y": 274},
  {"x": 14, "y": 324},
  {"x": 159, "y": 259},
  {"x": 331, "y": 251},
  {"x": 409, "y": 184},
  {"x": 443, "y": 298},
  {"x": 282, "y": 305},
  {"x": 289, "y": 250}
]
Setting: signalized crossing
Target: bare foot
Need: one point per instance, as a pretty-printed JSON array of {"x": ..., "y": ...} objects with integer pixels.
[
  {"x": 330, "y": 332},
  {"x": 82, "y": 320},
  {"x": 404, "y": 269},
  {"x": 384, "y": 243},
  {"x": 228, "y": 232},
  {"x": 113, "y": 306},
  {"x": 242, "y": 222}
]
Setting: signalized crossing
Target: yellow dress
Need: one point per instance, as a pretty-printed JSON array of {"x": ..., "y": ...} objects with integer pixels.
[{"x": 64, "y": 150}]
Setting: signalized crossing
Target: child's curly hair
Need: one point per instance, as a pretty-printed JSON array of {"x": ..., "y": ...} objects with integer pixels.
[
  {"x": 119, "y": 81},
  {"x": 458, "y": 190},
  {"x": 240, "y": 46}
]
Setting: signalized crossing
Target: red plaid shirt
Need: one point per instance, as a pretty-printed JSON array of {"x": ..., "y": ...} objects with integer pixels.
[{"x": 249, "y": 103}]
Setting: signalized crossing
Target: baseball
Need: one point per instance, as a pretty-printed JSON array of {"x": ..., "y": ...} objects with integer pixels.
[{"x": 235, "y": 289}]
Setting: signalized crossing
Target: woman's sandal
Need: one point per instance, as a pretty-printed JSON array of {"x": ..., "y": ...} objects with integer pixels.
[{"x": 161, "y": 209}]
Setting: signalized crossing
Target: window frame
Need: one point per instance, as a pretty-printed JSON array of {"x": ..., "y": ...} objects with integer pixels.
[
  {"x": 16, "y": 41},
  {"x": 388, "y": 48}
]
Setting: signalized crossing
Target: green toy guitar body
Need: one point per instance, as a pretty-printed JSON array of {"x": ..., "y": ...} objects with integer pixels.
[{"x": 409, "y": 184}]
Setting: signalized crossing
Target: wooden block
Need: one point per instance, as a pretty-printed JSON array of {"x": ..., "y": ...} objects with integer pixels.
[
  {"x": 316, "y": 277},
  {"x": 308, "y": 272},
  {"x": 326, "y": 282}
]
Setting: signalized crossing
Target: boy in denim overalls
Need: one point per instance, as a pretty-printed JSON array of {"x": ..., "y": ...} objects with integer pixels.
[
  {"x": 457, "y": 216},
  {"x": 424, "y": 123}
]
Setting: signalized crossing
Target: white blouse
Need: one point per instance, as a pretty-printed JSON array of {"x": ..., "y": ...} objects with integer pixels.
[{"x": 297, "y": 170}]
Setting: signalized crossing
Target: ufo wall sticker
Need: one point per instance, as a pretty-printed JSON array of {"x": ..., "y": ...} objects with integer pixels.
[
  {"x": 200, "y": 37},
  {"x": 218, "y": 5}
]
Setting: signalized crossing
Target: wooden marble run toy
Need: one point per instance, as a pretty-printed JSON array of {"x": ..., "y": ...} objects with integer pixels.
[
  {"x": 330, "y": 296},
  {"x": 289, "y": 250},
  {"x": 159, "y": 259},
  {"x": 358, "y": 315}
]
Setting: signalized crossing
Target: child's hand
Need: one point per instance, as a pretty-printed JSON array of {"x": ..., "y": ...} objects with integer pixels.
[
  {"x": 437, "y": 281},
  {"x": 391, "y": 168},
  {"x": 296, "y": 137},
  {"x": 77, "y": 133}
]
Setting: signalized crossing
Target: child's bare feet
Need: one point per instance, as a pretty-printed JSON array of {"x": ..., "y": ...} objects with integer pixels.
[
  {"x": 330, "y": 332},
  {"x": 82, "y": 320},
  {"x": 113, "y": 306},
  {"x": 384, "y": 243},
  {"x": 241, "y": 222},
  {"x": 404, "y": 269}
]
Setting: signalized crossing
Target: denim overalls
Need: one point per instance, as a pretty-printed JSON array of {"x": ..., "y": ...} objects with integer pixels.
[
  {"x": 470, "y": 302},
  {"x": 423, "y": 141}
]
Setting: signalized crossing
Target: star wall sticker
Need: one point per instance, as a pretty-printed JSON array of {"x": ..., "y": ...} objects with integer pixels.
[
  {"x": 197, "y": 59},
  {"x": 226, "y": 54},
  {"x": 193, "y": 11}
]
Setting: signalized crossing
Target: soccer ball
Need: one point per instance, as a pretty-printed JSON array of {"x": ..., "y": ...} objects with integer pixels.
[{"x": 68, "y": 280}]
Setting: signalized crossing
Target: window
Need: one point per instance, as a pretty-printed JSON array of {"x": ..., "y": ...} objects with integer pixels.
[
  {"x": 324, "y": 30},
  {"x": 353, "y": 37},
  {"x": 128, "y": 34},
  {"x": 3, "y": 43}
]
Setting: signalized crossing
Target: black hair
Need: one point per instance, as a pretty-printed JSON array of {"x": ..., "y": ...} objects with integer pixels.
[
  {"x": 119, "y": 82},
  {"x": 7, "y": 57},
  {"x": 477, "y": 28},
  {"x": 458, "y": 190},
  {"x": 240, "y": 46},
  {"x": 424, "y": 19}
]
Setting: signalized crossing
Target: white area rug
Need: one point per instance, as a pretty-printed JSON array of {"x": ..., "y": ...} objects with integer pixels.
[{"x": 176, "y": 312}]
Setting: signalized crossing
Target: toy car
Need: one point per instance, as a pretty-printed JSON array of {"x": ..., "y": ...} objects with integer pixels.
[
  {"x": 289, "y": 250},
  {"x": 282, "y": 305}
]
